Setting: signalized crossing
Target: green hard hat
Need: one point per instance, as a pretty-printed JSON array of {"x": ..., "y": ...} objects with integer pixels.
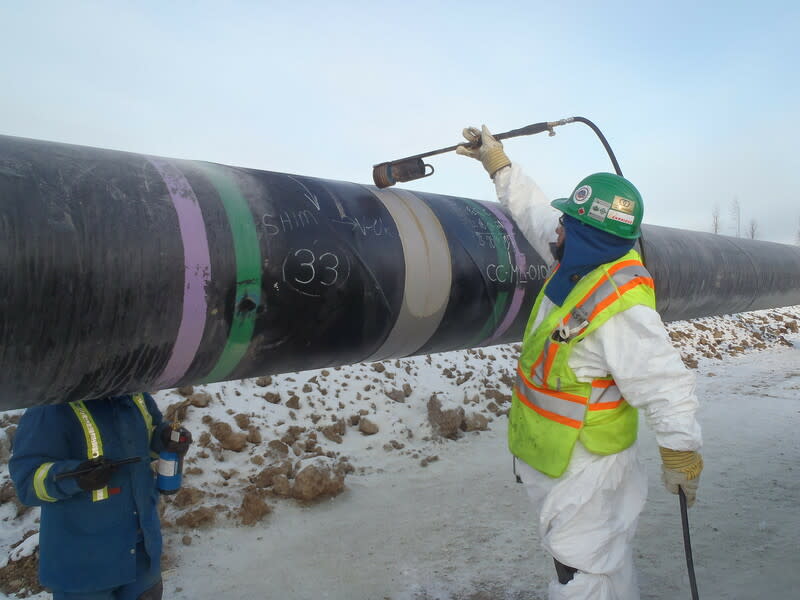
[{"x": 606, "y": 201}]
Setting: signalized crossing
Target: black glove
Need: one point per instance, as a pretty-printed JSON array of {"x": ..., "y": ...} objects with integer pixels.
[
  {"x": 176, "y": 440},
  {"x": 97, "y": 475}
]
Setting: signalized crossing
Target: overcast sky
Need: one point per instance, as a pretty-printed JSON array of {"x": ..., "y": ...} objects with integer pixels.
[{"x": 699, "y": 100}]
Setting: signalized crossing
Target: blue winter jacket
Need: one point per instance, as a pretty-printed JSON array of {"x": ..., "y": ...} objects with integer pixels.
[{"x": 85, "y": 544}]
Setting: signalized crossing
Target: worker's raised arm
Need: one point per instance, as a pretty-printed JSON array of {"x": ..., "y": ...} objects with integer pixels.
[{"x": 516, "y": 191}]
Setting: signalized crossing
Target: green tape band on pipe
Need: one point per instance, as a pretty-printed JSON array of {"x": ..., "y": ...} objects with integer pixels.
[
  {"x": 501, "y": 301},
  {"x": 248, "y": 270}
]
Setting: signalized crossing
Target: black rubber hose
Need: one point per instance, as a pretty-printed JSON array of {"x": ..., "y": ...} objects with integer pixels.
[{"x": 606, "y": 145}]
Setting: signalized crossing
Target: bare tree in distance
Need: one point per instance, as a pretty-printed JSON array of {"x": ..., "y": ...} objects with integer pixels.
[
  {"x": 715, "y": 219},
  {"x": 752, "y": 229},
  {"x": 736, "y": 215}
]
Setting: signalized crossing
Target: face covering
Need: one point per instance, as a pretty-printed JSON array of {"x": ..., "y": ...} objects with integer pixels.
[{"x": 585, "y": 248}]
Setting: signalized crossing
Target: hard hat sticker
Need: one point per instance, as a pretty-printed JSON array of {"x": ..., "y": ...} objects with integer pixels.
[
  {"x": 599, "y": 209},
  {"x": 582, "y": 194},
  {"x": 623, "y": 205},
  {"x": 616, "y": 215}
]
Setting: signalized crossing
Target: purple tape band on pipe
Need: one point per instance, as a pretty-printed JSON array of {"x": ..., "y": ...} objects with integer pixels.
[
  {"x": 197, "y": 263},
  {"x": 519, "y": 290}
]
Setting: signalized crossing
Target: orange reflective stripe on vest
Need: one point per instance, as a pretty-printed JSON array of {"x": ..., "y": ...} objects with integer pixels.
[
  {"x": 561, "y": 407},
  {"x": 605, "y": 395},
  {"x": 626, "y": 276}
]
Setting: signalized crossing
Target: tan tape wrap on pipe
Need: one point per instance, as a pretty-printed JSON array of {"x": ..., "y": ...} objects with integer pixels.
[{"x": 428, "y": 273}]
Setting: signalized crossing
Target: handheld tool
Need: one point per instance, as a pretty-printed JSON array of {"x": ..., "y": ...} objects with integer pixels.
[
  {"x": 388, "y": 173},
  {"x": 115, "y": 464}
]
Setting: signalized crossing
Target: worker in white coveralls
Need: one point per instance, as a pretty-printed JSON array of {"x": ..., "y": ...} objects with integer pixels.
[{"x": 595, "y": 350}]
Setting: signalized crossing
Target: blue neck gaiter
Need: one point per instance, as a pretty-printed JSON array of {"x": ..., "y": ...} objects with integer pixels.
[{"x": 585, "y": 249}]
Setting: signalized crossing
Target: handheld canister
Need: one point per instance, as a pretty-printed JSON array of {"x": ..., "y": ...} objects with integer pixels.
[{"x": 170, "y": 466}]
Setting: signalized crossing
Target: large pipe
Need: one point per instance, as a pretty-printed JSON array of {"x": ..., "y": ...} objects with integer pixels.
[
  {"x": 124, "y": 272},
  {"x": 703, "y": 274}
]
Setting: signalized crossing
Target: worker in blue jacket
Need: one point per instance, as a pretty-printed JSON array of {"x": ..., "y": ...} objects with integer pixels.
[{"x": 100, "y": 534}]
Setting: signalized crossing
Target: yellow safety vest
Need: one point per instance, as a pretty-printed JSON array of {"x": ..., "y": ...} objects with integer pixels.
[
  {"x": 550, "y": 408},
  {"x": 94, "y": 442}
]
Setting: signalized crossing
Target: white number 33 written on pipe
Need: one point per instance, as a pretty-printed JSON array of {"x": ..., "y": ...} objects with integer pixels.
[
  {"x": 327, "y": 264},
  {"x": 304, "y": 268}
]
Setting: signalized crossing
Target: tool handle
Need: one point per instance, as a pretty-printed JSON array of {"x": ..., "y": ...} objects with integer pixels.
[
  {"x": 527, "y": 130},
  {"x": 115, "y": 464}
]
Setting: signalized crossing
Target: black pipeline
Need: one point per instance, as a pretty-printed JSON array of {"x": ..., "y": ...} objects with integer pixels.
[{"x": 124, "y": 272}]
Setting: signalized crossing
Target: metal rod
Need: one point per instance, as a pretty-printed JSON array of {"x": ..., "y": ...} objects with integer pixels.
[
  {"x": 411, "y": 168},
  {"x": 527, "y": 130},
  {"x": 687, "y": 543}
]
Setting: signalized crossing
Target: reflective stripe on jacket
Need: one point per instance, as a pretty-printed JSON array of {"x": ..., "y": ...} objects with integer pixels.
[
  {"x": 550, "y": 408},
  {"x": 94, "y": 441}
]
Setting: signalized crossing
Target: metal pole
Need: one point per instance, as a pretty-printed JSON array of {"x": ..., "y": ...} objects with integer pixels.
[{"x": 687, "y": 543}]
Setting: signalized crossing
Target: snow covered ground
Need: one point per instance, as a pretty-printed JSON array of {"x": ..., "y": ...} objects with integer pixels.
[{"x": 425, "y": 516}]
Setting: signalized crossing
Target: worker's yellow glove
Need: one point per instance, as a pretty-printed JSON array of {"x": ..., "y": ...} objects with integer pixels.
[
  {"x": 490, "y": 152},
  {"x": 681, "y": 468}
]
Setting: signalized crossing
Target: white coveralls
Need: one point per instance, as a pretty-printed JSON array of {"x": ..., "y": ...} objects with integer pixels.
[{"x": 588, "y": 515}]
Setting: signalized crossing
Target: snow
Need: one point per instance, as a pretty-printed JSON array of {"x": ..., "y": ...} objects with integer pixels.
[
  {"x": 26, "y": 548},
  {"x": 460, "y": 527}
]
